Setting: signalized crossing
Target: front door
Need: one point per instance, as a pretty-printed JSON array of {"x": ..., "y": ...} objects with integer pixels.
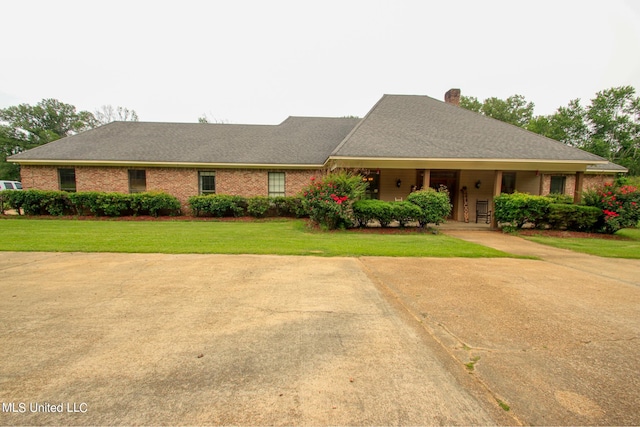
[{"x": 448, "y": 179}]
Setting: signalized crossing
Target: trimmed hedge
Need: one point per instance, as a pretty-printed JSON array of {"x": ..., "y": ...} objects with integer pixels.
[
  {"x": 512, "y": 211},
  {"x": 218, "y": 205},
  {"x": 222, "y": 205},
  {"x": 371, "y": 209},
  {"x": 515, "y": 210},
  {"x": 40, "y": 202},
  {"x": 386, "y": 212},
  {"x": 573, "y": 217},
  {"x": 435, "y": 205},
  {"x": 405, "y": 212},
  {"x": 288, "y": 206},
  {"x": 258, "y": 206}
]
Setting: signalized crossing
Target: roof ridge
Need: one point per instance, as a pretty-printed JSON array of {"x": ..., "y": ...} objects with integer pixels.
[{"x": 355, "y": 128}]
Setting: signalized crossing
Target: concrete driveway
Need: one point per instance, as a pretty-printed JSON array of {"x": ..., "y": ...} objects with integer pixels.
[
  {"x": 212, "y": 339},
  {"x": 256, "y": 340}
]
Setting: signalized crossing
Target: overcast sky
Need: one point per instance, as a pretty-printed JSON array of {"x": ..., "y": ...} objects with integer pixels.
[{"x": 261, "y": 61}]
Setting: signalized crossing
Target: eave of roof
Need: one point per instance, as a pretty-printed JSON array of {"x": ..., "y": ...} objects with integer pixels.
[
  {"x": 139, "y": 164},
  {"x": 542, "y": 165}
]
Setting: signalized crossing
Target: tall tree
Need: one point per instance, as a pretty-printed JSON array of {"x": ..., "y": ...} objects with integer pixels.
[
  {"x": 26, "y": 126},
  {"x": 107, "y": 114},
  {"x": 568, "y": 124},
  {"x": 46, "y": 121},
  {"x": 515, "y": 109},
  {"x": 609, "y": 127},
  {"x": 614, "y": 119}
]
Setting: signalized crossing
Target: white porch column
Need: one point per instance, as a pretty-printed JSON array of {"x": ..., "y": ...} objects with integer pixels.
[
  {"x": 426, "y": 179},
  {"x": 497, "y": 189}
]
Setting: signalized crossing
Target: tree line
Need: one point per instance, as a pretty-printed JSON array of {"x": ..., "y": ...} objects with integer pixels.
[{"x": 609, "y": 126}]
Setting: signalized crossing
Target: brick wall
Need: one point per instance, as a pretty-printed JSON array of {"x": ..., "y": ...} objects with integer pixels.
[
  {"x": 179, "y": 182},
  {"x": 39, "y": 177},
  {"x": 92, "y": 178},
  {"x": 591, "y": 181},
  {"x": 255, "y": 182}
]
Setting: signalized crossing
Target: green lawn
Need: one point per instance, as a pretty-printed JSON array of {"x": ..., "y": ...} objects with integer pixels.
[
  {"x": 629, "y": 248},
  {"x": 281, "y": 237}
]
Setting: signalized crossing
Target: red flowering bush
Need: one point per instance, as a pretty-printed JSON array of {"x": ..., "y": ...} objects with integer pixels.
[
  {"x": 620, "y": 205},
  {"x": 328, "y": 201}
]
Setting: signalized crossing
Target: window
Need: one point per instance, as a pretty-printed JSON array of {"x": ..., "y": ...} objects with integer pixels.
[
  {"x": 508, "y": 182},
  {"x": 276, "y": 184},
  {"x": 557, "y": 184},
  {"x": 67, "y": 180},
  {"x": 137, "y": 181},
  {"x": 207, "y": 182}
]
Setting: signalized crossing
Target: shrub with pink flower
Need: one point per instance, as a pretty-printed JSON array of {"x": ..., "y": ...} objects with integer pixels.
[
  {"x": 620, "y": 205},
  {"x": 329, "y": 200}
]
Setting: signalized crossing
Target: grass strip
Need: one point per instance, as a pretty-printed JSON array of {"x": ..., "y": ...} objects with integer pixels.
[
  {"x": 628, "y": 248},
  {"x": 282, "y": 237}
]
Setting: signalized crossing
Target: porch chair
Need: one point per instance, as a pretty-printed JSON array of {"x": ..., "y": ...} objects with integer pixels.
[{"x": 482, "y": 211}]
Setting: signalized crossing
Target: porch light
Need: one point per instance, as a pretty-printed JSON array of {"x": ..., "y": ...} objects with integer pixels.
[
  {"x": 398, "y": 183},
  {"x": 478, "y": 183}
]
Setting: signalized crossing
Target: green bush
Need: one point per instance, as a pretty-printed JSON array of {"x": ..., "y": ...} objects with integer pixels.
[
  {"x": 289, "y": 206},
  {"x": 512, "y": 211},
  {"x": 405, "y": 212},
  {"x": 573, "y": 217},
  {"x": 113, "y": 204},
  {"x": 39, "y": 202},
  {"x": 435, "y": 205},
  {"x": 218, "y": 205},
  {"x": 12, "y": 199},
  {"x": 258, "y": 206},
  {"x": 154, "y": 204},
  {"x": 560, "y": 198},
  {"x": 85, "y": 202},
  {"x": 328, "y": 201},
  {"x": 367, "y": 210},
  {"x": 364, "y": 211}
]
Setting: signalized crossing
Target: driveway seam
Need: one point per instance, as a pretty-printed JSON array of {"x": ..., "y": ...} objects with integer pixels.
[{"x": 490, "y": 394}]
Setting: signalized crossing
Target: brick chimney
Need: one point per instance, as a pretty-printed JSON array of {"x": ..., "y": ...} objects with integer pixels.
[{"x": 452, "y": 97}]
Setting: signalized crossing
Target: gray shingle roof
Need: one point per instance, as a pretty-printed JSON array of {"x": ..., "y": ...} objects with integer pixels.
[
  {"x": 411, "y": 126},
  {"x": 397, "y": 127},
  {"x": 607, "y": 167},
  {"x": 296, "y": 141}
]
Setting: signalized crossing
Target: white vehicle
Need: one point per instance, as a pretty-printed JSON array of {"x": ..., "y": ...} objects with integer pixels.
[{"x": 10, "y": 185}]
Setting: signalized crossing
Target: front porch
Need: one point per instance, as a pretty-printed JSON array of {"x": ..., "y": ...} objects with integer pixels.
[{"x": 466, "y": 187}]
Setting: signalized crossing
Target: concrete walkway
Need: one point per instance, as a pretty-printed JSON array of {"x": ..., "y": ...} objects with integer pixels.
[{"x": 624, "y": 270}]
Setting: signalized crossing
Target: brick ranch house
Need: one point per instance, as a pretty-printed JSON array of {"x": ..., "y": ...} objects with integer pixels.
[{"x": 402, "y": 142}]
